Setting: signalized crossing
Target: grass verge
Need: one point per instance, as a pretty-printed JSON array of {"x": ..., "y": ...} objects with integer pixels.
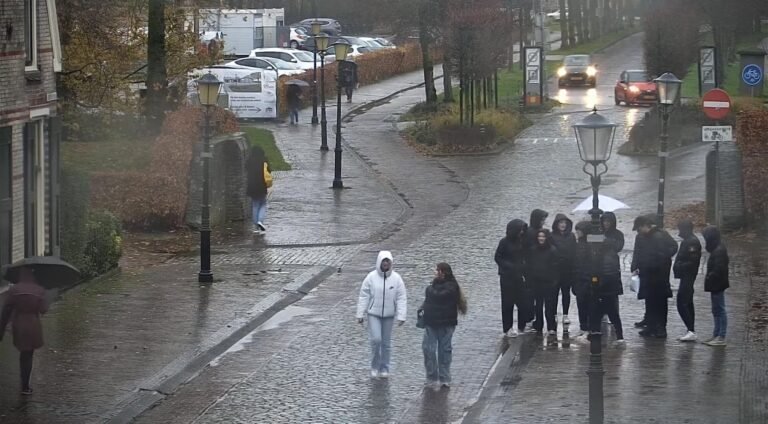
[
  {"x": 599, "y": 43},
  {"x": 264, "y": 139}
]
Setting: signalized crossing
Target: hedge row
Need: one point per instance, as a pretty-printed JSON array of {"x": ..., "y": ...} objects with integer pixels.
[
  {"x": 752, "y": 138},
  {"x": 371, "y": 67},
  {"x": 158, "y": 197}
]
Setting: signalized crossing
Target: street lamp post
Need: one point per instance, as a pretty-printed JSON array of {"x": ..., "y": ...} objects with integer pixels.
[
  {"x": 340, "y": 49},
  {"x": 208, "y": 91},
  {"x": 594, "y": 136},
  {"x": 321, "y": 43},
  {"x": 316, "y": 26},
  {"x": 668, "y": 88}
]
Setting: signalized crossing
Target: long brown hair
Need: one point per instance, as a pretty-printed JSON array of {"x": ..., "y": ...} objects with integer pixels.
[{"x": 448, "y": 276}]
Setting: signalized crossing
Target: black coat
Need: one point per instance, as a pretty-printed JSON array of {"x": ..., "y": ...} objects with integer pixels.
[
  {"x": 510, "y": 256},
  {"x": 565, "y": 243},
  {"x": 441, "y": 304},
  {"x": 609, "y": 269},
  {"x": 716, "y": 279},
  {"x": 537, "y": 216},
  {"x": 256, "y": 188},
  {"x": 542, "y": 267},
  {"x": 688, "y": 256},
  {"x": 653, "y": 259}
]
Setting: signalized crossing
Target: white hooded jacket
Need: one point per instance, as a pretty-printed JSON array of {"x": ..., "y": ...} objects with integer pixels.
[{"x": 383, "y": 294}]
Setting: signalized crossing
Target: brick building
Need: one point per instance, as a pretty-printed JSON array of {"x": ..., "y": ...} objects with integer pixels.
[{"x": 30, "y": 56}]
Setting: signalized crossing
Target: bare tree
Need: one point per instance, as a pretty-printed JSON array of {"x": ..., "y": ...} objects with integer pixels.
[
  {"x": 157, "y": 75},
  {"x": 564, "y": 34}
]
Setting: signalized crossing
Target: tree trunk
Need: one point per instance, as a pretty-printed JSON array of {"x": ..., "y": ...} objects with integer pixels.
[
  {"x": 447, "y": 76},
  {"x": 565, "y": 39},
  {"x": 157, "y": 79},
  {"x": 426, "y": 55},
  {"x": 573, "y": 21}
]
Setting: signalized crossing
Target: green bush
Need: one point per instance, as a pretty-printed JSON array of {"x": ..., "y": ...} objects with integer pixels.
[{"x": 104, "y": 242}]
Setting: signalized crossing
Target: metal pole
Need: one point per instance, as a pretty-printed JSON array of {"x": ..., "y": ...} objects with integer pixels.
[
  {"x": 205, "y": 275},
  {"x": 521, "y": 22},
  {"x": 314, "y": 83},
  {"x": 595, "y": 370},
  {"x": 323, "y": 120},
  {"x": 718, "y": 215},
  {"x": 662, "y": 164},
  {"x": 337, "y": 183}
]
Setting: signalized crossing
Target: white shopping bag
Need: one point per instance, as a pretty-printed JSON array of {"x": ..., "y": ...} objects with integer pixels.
[{"x": 634, "y": 283}]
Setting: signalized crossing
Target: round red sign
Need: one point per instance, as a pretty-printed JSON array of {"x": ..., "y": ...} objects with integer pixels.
[{"x": 716, "y": 103}]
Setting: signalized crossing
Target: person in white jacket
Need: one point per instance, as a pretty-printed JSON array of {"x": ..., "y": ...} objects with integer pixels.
[{"x": 383, "y": 299}]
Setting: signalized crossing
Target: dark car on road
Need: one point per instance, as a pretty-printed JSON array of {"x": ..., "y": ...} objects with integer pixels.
[
  {"x": 577, "y": 69},
  {"x": 327, "y": 25},
  {"x": 635, "y": 87}
]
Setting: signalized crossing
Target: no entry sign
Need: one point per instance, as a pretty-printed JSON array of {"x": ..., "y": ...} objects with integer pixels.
[{"x": 716, "y": 103}]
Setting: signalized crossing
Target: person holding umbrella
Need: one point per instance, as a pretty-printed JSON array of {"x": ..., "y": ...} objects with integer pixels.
[
  {"x": 293, "y": 96},
  {"x": 24, "y": 304}
]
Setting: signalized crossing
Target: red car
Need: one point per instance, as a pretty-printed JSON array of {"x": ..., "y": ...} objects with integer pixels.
[{"x": 635, "y": 87}]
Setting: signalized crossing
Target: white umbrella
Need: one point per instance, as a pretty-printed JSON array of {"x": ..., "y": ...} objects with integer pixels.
[{"x": 607, "y": 204}]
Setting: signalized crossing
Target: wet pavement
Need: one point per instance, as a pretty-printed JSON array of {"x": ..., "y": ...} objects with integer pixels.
[{"x": 308, "y": 363}]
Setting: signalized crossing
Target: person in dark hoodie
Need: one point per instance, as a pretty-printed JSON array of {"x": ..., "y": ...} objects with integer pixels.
[
  {"x": 652, "y": 261},
  {"x": 686, "y": 268},
  {"x": 538, "y": 219},
  {"x": 565, "y": 243},
  {"x": 541, "y": 274},
  {"x": 510, "y": 258},
  {"x": 615, "y": 239},
  {"x": 716, "y": 282},
  {"x": 582, "y": 276}
]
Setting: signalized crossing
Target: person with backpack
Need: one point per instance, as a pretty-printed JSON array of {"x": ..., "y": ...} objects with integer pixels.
[
  {"x": 258, "y": 181},
  {"x": 686, "y": 268}
]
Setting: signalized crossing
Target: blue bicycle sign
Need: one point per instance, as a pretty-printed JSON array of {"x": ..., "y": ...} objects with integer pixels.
[{"x": 752, "y": 75}]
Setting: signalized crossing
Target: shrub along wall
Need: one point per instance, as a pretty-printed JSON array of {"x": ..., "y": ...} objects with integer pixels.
[
  {"x": 752, "y": 139},
  {"x": 157, "y": 198}
]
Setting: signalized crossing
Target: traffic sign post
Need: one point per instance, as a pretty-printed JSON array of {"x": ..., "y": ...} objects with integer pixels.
[
  {"x": 716, "y": 133},
  {"x": 707, "y": 69},
  {"x": 716, "y": 104}
]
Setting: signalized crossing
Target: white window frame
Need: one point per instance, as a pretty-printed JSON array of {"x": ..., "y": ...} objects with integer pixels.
[
  {"x": 30, "y": 50},
  {"x": 53, "y": 24},
  {"x": 39, "y": 135}
]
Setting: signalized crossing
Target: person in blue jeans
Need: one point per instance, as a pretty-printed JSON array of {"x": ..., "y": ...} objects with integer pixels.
[
  {"x": 716, "y": 282},
  {"x": 257, "y": 186},
  {"x": 442, "y": 302},
  {"x": 383, "y": 300}
]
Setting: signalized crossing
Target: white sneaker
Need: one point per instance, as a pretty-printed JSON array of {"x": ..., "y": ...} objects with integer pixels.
[
  {"x": 620, "y": 344},
  {"x": 374, "y": 373},
  {"x": 511, "y": 334},
  {"x": 717, "y": 341},
  {"x": 384, "y": 374},
  {"x": 566, "y": 320},
  {"x": 261, "y": 226},
  {"x": 688, "y": 337},
  {"x": 552, "y": 332}
]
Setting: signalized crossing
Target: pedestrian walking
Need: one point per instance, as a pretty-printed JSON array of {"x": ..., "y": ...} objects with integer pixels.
[
  {"x": 349, "y": 78},
  {"x": 565, "y": 242},
  {"x": 510, "y": 258},
  {"x": 582, "y": 277},
  {"x": 541, "y": 272},
  {"x": 259, "y": 180},
  {"x": 443, "y": 301},
  {"x": 716, "y": 282},
  {"x": 686, "y": 268},
  {"x": 383, "y": 300},
  {"x": 293, "y": 97},
  {"x": 652, "y": 261},
  {"x": 24, "y": 304}
]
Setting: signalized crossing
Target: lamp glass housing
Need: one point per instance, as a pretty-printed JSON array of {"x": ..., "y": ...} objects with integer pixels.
[
  {"x": 208, "y": 89},
  {"x": 316, "y": 27},
  {"x": 594, "y": 136},
  {"x": 321, "y": 41},
  {"x": 341, "y": 49},
  {"x": 668, "y": 88}
]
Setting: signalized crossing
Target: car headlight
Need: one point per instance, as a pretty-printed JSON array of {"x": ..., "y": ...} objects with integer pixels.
[
  {"x": 561, "y": 72},
  {"x": 634, "y": 89},
  {"x": 591, "y": 71}
]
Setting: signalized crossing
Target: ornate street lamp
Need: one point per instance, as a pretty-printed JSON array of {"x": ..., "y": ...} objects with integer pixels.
[
  {"x": 668, "y": 90},
  {"x": 316, "y": 26},
  {"x": 208, "y": 91},
  {"x": 594, "y": 136},
  {"x": 321, "y": 43},
  {"x": 341, "y": 49}
]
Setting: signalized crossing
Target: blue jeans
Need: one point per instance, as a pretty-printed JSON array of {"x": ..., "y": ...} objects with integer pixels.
[
  {"x": 438, "y": 353},
  {"x": 718, "y": 312},
  {"x": 294, "y": 113},
  {"x": 380, "y": 333},
  {"x": 259, "y": 208}
]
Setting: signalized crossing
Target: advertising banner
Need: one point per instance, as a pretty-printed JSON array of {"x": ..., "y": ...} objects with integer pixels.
[{"x": 251, "y": 93}]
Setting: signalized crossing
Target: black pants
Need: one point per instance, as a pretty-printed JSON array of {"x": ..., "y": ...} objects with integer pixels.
[
  {"x": 348, "y": 91},
  {"x": 582, "y": 302},
  {"x": 512, "y": 295},
  {"x": 606, "y": 305},
  {"x": 657, "y": 309},
  {"x": 546, "y": 308},
  {"x": 25, "y": 365},
  {"x": 565, "y": 294},
  {"x": 685, "y": 302}
]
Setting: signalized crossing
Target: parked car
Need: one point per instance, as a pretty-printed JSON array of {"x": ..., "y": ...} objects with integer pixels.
[
  {"x": 386, "y": 43},
  {"x": 282, "y": 67},
  {"x": 327, "y": 25},
  {"x": 302, "y": 58},
  {"x": 354, "y": 51},
  {"x": 555, "y": 16},
  {"x": 577, "y": 69},
  {"x": 635, "y": 87},
  {"x": 299, "y": 36}
]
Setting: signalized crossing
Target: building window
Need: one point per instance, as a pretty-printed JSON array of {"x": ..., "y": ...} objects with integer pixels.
[
  {"x": 6, "y": 201},
  {"x": 30, "y": 34}
]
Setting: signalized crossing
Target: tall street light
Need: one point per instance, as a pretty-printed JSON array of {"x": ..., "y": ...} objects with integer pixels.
[
  {"x": 208, "y": 91},
  {"x": 594, "y": 136},
  {"x": 316, "y": 27},
  {"x": 668, "y": 89},
  {"x": 341, "y": 49},
  {"x": 321, "y": 42}
]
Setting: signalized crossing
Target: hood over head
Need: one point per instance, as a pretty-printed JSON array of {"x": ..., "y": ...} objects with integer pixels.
[
  {"x": 514, "y": 227},
  {"x": 583, "y": 226},
  {"x": 712, "y": 238},
  {"x": 384, "y": 254},
  {"x": 537, "y": 215},
  {"x": 561, "y": 217},
  {"x": 608, "y": 217},
  {"x": 685, "y": 226},
  {"x": 547, "y": 240}
]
